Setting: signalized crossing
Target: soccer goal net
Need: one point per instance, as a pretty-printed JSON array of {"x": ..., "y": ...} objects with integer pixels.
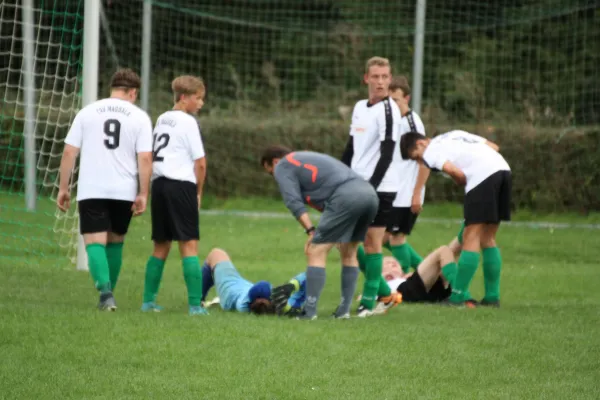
[
  {"x": 43, "y": 237},
  {"x": 523, "y": 73}
]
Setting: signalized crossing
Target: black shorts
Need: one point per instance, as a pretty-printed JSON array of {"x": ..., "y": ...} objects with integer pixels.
[
  {"x": 384, "y": 211},
  {"x": 174, "y": 211},
  {"x": 489, "y": 202},
  {"x": 402, "y": 220},
  {"x": 104, "y": 215},
  {"x": 413, "y": 290}
]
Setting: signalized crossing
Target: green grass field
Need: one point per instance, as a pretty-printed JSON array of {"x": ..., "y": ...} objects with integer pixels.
[{"x": 542, "y": 344}]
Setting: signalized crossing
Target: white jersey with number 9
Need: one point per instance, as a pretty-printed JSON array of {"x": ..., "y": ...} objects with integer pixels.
[{"x": 109, "y": 133}]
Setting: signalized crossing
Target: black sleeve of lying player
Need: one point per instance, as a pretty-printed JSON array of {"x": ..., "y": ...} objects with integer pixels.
[
  {"x": 348, "y": 152},
  {"x": 386, "y": 149},
  {"x": 385, "y": 159}
]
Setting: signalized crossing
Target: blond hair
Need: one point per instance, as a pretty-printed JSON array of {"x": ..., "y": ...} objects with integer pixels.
[
  {"x": 378, "y": 61},
  {"x": 186, "y": 85}
]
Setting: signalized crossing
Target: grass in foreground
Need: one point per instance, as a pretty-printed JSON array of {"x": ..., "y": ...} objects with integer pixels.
[{"x": 542, "y": 343}]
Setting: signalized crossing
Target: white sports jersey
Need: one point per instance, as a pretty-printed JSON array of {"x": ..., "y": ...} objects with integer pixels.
[
  {"x": 371, "y": 125},
  {"x": 394, "y": 283},
  {"x": 408, "y": 169},
  {"x": 177, "y": 144},
  {"x": 110, "y": 133},
  {"x": 468, "y": 152}
]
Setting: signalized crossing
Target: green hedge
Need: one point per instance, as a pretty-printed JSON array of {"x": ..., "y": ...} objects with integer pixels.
[{"x": 550, "y": 173}]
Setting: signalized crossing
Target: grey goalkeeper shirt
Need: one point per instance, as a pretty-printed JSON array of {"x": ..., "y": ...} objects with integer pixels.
[{"x": 310, "y": 178}]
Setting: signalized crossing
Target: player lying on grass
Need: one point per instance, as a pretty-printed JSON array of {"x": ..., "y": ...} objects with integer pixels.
[
  {"x": 475, "y": 163},
  {"x": 234, "y": 292},
  {"x": 426, "y": 285}
]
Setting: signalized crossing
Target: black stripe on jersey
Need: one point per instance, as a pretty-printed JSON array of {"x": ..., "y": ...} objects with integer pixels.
[
  {"x": 411, "y": 121},
  {"x": 433, "y": 169},
  {"x": 387, "y": 147},
  {"x": 389, "y": 121}
]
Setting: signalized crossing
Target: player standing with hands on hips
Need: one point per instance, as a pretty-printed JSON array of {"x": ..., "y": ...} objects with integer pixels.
[
  {"x": 179, "y": 170},
  {"x": 114, "y": 138},
  {"x": 372, "y": 151}
]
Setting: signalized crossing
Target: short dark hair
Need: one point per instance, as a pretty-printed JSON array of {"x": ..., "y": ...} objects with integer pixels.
[
  {"x": 125, "y": 78},
  {"x": 408, "y": 142},
  {"x": 272, "y": 152},
  {"x": 262, "y": 307},
  {"x": 401, "y": 83}
]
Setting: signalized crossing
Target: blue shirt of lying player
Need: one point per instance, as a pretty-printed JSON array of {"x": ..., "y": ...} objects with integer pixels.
[{"x": 238, "y": 294}]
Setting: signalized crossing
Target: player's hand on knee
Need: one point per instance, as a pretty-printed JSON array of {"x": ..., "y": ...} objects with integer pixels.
[{"x": 280, "y": 296}]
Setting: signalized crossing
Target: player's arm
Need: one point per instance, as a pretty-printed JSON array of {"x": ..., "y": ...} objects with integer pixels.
[
  {"x": 388, "y": 134},
  {"x": 493, "y": 145},
  {"x": 199, "y": 157},
  {"x": 67, "y": 163},
  {"x": 348, "y": 152},
  {"x": 289, "y": 188},
  {"x": 144, "y": 155},
  {"x": 73, "y": 143},
  {"x": 455, "y": 173},
  {"x": 422, "y": 177}
]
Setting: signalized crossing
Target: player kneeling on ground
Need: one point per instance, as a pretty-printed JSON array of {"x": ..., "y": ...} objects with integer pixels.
[
  {"x": 474, "y": 162},
  {"x": 234, "y": 292}
]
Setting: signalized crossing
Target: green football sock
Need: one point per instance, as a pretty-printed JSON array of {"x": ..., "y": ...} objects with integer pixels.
[
  {"x": 387, "y": 245},
  {"x": 449, "y": 271},
  {"x": 467, "y": 265},
  {"x": 362, "y": 258},
  {"x": 384, "y": 289},
  {"x": 193, "y": 279},
  {"x": 114, "y": 255},
  {"x": 492, "y": 265},
  {"x": 154, "y": 271},
  {"x": 373, "y": 268},
  {"x": 461, "y": 233},
  {"x": 402, "y": 254},
  {"x": 98, "y": 265},
  {"x": 415, "y": 258}
]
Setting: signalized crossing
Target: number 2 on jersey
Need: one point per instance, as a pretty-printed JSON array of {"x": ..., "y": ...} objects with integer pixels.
[
  {"x": 160, "y": 142},
  {"x": 112, "y": 129}
]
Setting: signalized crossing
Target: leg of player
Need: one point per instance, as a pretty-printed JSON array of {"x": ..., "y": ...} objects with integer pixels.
[
  {"x": 214, "y": 257},
  {"x": 114, "y": 255},
  {"x": 192, "y": 275},
  {"x": 349, "y": 278},
  {"x": 441, "y": 261},
  {"x": 315, "y": 277},
  {"x": 153, "y": 277},
  {"x": 384, "y": 289},
  {"x": 404, "y": 252},
  {"x": 467, "y": 263},
  {"x": 95, "y": 246},
  {"x": 373, "y": 268},
  {"x": 492, "y": 266}
]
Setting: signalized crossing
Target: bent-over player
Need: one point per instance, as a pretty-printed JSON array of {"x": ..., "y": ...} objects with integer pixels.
[
  {"x": 475, "y": 163},
  {"x": 348, "y": 204}
]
